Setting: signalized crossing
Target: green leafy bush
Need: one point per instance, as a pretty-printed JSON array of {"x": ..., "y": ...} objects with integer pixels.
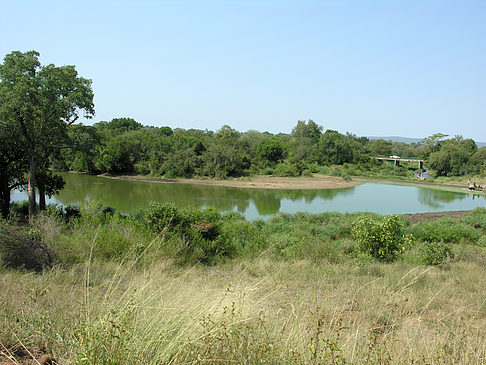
[
  {"x": 382, "y": 239},
  {"x": 446, "y": 230},
  {"x": 244, "y": 236},
  {"x": 161, "y": 216},
  {"x": 267, "y": 171},
  {"x": 476, "y": 219},
  {"x": 285, "y": 169},
  {"x": 313, "y": 167},
  {"x": 435, "y": 253},
  {"x": 195, "y": 232}
]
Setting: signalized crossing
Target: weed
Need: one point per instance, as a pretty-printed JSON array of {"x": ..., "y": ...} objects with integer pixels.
[{"x": 382, "y": 239}]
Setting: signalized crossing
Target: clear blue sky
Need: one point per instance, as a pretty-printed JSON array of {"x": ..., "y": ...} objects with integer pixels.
[{"x": 407, "y": 68}]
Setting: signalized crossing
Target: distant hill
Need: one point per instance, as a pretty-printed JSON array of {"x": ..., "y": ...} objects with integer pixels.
[{"x": 412, "y": 140}]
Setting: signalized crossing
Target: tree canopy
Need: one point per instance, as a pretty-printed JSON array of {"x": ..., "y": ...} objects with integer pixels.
[{"x": 40, "y": 102}]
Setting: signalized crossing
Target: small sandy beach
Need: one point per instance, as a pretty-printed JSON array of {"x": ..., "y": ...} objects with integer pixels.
[{"x": 256, "y": 182}]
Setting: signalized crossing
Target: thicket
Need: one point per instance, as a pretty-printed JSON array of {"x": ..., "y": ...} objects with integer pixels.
[
  {"x": 125, "y": 146},
  {"x": 193, "y": 235}
]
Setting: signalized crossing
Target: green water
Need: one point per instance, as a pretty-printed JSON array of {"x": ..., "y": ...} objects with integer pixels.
[{"x": 128, "y": 196}]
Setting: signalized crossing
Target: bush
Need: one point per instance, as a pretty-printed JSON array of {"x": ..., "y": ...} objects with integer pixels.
[
  {"x": 20, "y": 210},
  {"x": 476, "y": 219},
  {"x": 161, "y": 216},
  {"x": 313, "y": 167},
  {"x": 23, "y": 250},
  {"x": 196, "y": 233},
  {"x": 382, "y": 239},
  {"x": 435, "y": 253},
  {"x": 445, "y": 230},
  {"x": 267, "y": 171},
  {"x": 335, "y": 172},
  {"x": 286, "y": 170}
]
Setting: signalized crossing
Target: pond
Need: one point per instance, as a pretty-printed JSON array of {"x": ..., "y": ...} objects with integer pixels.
[{"x": 128, "y": 196}]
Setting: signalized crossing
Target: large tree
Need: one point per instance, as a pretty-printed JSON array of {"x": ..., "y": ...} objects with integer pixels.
[
  {"x": 12, "y": 165},
  {"x": 39, "y": 102}
]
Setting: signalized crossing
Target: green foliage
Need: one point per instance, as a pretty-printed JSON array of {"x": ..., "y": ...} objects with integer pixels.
[
  {"x": 245, "y": 237},
  {"x": 476, "y": 219},
  {"x": 445, "y": 230},
  {"x": 380, "y": 147},
  {"x": 197, "y": 233},
  {"x": 335, "y": 148},
  {"x": 123, "y": 124},
  {"x": 270, "y": 150},
  {"x": 114, "y": 331},
  {"x": 383, "y": 239},
  {"x": 309, "y": 130},
  {"x": 161, "y": 216},
  {"x": 223, "y": 161},
  {"x": 284, "y": 169},
  {"x": 453, "y": 157},
  {"x": 435, "y": 253},
  {"x": 39, "y": 102}
]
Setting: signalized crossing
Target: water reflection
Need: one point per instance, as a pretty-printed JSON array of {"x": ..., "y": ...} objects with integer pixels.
[
  {"x": 128, "y": 196},
  {"x": 434, "y": 197}
]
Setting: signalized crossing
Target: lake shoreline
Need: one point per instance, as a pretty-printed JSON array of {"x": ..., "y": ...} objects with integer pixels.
[
  {"x": 314, "y": 182},
  {"x": 452, "y": 187}
]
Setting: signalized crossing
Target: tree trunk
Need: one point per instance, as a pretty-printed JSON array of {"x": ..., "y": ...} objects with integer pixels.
[
  {"x": 31, "y": 188},
  {"x": 4, "y": 197},
  {"x": 42, "y": 196}
]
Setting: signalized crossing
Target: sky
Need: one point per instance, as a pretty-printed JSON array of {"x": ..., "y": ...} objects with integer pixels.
[{"x": 372, "y": 68}]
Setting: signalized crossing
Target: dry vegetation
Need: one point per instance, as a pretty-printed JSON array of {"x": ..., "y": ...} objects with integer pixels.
[
  {"x": 316, "y": 302},
  {"x": 253, "y": 311}
]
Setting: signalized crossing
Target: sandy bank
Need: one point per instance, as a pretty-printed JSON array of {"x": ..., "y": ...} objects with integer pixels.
[
  {"x": 257, "y": 182},
  {"x": 454, "y": 187}
]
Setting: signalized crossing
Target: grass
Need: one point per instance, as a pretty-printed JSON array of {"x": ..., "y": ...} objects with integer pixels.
[
  {"x": 297, "y": 292},
  {"x": 258, "y": 311}
]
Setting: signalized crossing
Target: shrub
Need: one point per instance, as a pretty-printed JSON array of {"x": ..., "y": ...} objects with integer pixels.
[
  {"x": 196, "y": 233},
  {"x": 435, "y": 253},
  {"x": 476, "y": 219},
  {"x": 285, "y": 169},
  {"x": 244, "y": 236},
  {"x": 20, "y": 209},
  {"x": 382, "y": 239},
  {"x": 446, "y": 230},
  {"x": 160, "y": 216},
  {"x": 23, "y": 250},
  {"x": 267, "y": 171},
  {"x": 335, "y": 172},
  {"x": 313, "y": 167}
]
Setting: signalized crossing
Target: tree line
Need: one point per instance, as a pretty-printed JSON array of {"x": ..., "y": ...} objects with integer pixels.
[
  {"x": 125, "y": 146},
  {"x": 39, "y": 105}
]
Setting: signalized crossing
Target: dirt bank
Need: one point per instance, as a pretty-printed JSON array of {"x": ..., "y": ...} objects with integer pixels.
[
  {"x": 420, "y": 217},
  {"x": 261, "y": 182},
  {"x": 462, "y": 187}
]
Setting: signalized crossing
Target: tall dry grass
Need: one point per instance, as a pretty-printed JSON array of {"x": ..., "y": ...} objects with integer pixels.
[
  {"x": 250, "y": 311},
  {"x": 298, "y": 292}
]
